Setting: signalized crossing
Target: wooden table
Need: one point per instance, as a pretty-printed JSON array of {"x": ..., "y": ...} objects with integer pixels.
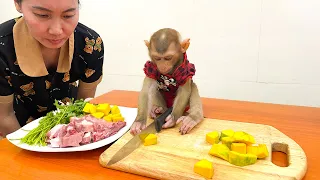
[{"x": 299, "y": 123}]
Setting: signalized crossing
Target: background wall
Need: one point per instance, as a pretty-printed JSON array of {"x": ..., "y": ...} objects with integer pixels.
[{"x": 253, "y": 50}]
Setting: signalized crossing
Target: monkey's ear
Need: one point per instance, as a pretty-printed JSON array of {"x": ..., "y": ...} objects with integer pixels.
[
  {"x": 147, "y": 43},
  {"x": 185, "y": 45}
]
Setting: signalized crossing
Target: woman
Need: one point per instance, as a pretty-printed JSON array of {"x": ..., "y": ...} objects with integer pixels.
[{"x": 45, "y": 55}]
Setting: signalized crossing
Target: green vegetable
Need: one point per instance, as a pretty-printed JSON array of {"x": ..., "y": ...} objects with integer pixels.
[{"x": 37, "y": 136}]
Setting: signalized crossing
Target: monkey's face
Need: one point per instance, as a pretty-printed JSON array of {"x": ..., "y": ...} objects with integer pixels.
[{"x": 166, "y": 61}]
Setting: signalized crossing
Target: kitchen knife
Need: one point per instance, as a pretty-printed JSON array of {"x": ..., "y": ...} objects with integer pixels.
[
  {"x": 138, "y": 139},
  {"x": 161, "y": 119}
]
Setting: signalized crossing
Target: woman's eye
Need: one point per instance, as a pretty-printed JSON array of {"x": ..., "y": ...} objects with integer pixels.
[
  {"x": 42, "y": 15},
  {"x": 68, "y": 16}
]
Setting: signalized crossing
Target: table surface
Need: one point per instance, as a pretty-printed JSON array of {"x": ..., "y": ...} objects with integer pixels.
[{"x": 299, "y": 123}]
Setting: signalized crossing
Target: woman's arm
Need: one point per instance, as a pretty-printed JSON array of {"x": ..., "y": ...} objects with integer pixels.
[{"x": 8, "y": 120}]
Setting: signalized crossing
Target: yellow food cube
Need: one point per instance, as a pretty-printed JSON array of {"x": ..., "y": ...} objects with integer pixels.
[
  {"x": 204, "y": 168},
  {"x": 220, "y": 150},
  {"x": 151, "y": 139},
  {"x": 117, "y": 118},
  {"x": 98, "y": 115},
  {"x": 227, "y": 133},
  {"x": 107, "y": 118},
  {"x": 243, "y": 137},
  {"x": 260, "y": 150},
  {"x": 239, "y": 159},
  {"x": 239, "y": 147},
  {"x": 115, "y": 109},
  {"x": 227, "y": 141},
  {"x": 105, "y": 108},
  {"x": 89, "y": 108},
  {"x": 117, "y": 115},
  {"x": 212, "y": 137}
]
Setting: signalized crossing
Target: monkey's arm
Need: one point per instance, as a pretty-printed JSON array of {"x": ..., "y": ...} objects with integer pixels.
[
  {"x": 195, "y": 114},
  {"x": 143, "y": 100},
  {"x": 196, "y": 109},
  {"x": 149, "y": 96},
  {"x": 181, "y": 100}
]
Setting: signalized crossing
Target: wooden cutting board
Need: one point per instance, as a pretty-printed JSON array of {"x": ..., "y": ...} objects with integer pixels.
[{"x": 175, "y": 155}]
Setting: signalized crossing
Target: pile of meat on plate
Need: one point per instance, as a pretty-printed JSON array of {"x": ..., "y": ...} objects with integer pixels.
[{"x": 81, "y": 131}]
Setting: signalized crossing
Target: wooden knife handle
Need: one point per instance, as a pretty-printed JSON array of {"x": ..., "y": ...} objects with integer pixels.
[{"x": 160, "y": 120}]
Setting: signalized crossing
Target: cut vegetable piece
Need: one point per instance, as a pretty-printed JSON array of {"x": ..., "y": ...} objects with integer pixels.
[
  {"x": 204, "y": 168},
  {"x": 260, "y": 150},
  {"x": 227, "y": 141},
  {"x": 239, "y": 159},
  {"x": 98, "y": 115},
  {"x": 227, "y": 133},
  {"x": 115, "y": 109},
  {"x": 105, "y": 108},
  {"x": 212, "y": 137},
  {"x": 239, "y": 147},
  {"x": 220, "y": 150},
  {"x": 88, "y": 108},
  {"x": 240, "y": 136},
  {"x": 151, "y": 139}
]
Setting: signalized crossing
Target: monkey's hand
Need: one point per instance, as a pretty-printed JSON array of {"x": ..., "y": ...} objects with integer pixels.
[
  {"x": 136, "y": 127},
  {"x": 169, "y": 122},
  {"x": 187, "y": 124},
  {"x": 155, "y": 111}
]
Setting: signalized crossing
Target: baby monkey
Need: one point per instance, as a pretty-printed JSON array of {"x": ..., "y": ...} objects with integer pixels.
[{"x": 168, "y": 83}]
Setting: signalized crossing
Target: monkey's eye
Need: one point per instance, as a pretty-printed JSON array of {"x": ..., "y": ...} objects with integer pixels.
[
  {"x": 168, "y": 58},
  {"x": 156, "y": 58}
]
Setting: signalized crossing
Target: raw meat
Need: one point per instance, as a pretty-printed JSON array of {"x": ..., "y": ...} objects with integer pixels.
[{"x": 80, "y": 131}]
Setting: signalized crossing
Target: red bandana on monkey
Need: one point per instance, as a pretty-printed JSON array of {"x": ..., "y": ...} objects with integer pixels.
[{"x": 168, "y": 84}]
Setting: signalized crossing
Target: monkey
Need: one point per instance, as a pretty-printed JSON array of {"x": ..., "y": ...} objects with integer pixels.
[{"x": 168, "y": 83}]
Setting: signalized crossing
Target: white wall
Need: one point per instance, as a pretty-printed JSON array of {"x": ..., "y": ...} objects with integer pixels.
[{"x": 253, "y": 50}]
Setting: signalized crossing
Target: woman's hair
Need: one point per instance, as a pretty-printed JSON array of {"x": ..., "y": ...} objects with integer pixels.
[{"x": 19, "y": 1}]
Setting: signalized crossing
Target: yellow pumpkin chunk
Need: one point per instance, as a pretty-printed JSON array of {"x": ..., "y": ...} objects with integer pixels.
[
  {"x": 204, "y": 168},
  {"x": 239, "y": 147},
  {"x": 227, "y": 141},
  {"x": 105, "y": 108},
  {"x": 239, "y": 159},
  {"x": 89, "y": 108},
  {"x": 227, "y": 133},
  {"x": 115, "y": 109},
  {"x": 260, "y": 150},
  {"x": 117, "y": 118},
  {"x": 212, "y": 137},
  {"x": 240, "y": 136},
  {"x": 98, "y": 115},
  {"x": 220, "y": 150},
  {"x": 108, "y": 118},
  {"x": 151, "y": 139}
]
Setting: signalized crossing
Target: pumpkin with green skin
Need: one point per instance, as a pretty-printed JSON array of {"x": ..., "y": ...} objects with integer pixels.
[
  {"x": 239, "y": 159},
  {"x": 220, "y": 150}
]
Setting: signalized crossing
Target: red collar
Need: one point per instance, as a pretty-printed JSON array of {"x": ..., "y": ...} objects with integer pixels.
[{"x": 181, "y": 74}]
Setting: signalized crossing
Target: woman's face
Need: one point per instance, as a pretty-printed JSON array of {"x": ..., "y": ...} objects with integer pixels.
[{"x": 51, "y": 22}]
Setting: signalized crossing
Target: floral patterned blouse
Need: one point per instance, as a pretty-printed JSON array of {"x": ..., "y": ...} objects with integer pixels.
[{"x": 25, "y": 79}]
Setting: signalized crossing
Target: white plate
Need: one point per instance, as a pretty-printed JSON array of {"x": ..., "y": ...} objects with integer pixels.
[{"x": 128, "y": 113}]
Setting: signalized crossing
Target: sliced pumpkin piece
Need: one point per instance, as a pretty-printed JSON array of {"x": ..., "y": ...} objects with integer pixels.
[
  {"x": 239, "y": 159},
  {"x": 212, "y": 137},
  {"x": 204, "y": 168},
  {"x": 220, "y": 150},
  {"x": 239, "y": 147}
]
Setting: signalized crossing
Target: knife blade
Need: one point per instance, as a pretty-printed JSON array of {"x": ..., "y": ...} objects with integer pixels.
[{"x": 138, "y": 139}]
